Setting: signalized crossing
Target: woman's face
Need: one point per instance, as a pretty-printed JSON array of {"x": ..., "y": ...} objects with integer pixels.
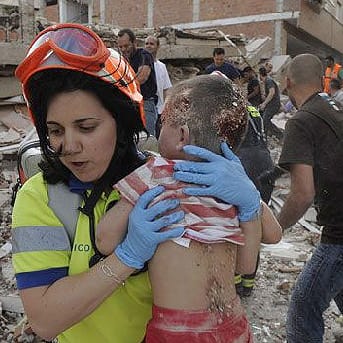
[{"x": 83, "y": 131}]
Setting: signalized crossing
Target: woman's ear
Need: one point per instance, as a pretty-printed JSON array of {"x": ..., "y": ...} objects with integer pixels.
[{"x": 184, "y": 137}]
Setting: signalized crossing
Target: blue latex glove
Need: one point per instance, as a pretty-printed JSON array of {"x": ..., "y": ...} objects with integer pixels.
[
  {"x": 143, "y": 234},
  {"x": 221, "y": 177}
]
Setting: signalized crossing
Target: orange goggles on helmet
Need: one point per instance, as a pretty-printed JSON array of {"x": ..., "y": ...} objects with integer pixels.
[{"x": 76, "y": 47}]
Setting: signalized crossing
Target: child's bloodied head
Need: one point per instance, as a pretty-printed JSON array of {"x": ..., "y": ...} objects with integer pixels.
[{"x": 202, "y": 111}]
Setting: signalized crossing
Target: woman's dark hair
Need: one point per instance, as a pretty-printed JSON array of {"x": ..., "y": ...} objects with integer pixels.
[{"x": 44, "y": 85}]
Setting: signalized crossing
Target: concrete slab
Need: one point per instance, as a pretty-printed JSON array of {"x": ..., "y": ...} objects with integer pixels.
[
  {"x": 3, "y": 197},
  {"x": 12, "y": 303},
  {"x": 284, "y": 250},
  {"x": 15, "y": 120},
  {"x": 9, "y": 86},
  {"x": 257, "y": 49},
  {"x": 9, "y": 137}
]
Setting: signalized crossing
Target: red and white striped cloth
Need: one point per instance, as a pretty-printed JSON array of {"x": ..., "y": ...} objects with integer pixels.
[{"x": 206, "y": 219}]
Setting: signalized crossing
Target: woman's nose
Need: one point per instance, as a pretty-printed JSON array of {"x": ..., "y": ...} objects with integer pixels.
[{"x": 71, "y": 144}]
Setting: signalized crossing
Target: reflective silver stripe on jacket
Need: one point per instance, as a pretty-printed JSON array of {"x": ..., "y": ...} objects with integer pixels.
[
  {"x": 39, "y": 238},
  {"x": 65, "y": 205}
]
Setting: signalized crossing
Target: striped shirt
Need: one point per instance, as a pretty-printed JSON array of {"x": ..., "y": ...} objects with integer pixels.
[{"x": 206, "y": 219}]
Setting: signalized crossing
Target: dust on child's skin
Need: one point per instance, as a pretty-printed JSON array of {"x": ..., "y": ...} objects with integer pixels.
[{"x": 218, "y": 301}]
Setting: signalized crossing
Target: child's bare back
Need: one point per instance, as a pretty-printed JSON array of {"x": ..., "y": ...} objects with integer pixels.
[{"x": 194, "y": 278}]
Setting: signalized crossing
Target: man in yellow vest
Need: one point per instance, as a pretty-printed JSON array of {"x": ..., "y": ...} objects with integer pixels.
[{"x": 332, "y": 71}]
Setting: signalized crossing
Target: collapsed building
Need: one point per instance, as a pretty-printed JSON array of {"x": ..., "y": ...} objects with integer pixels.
[{"x": 250, "y": 31}]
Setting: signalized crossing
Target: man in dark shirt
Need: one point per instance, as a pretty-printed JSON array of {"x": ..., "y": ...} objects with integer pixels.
[
  {"x": 254, "y": 91},
  {"x": 271, "y": 104},
  {"x": 312, "y": 152},
  {"x": 221, "y": 65},
  {"x": 142, "y": 63}
]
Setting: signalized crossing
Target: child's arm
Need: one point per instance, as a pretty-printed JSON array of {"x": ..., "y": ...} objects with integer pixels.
[
  {"x": 271, "y": 229},
  {"x": 247, "y": 254},
  {"x": 112, "y": 227}
]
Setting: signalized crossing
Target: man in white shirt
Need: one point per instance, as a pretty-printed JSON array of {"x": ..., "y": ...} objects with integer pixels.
[{"x": 152, "y": 45}]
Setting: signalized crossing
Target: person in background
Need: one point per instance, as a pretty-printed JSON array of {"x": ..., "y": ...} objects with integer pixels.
[
  {"x": 269, "y": 67},
  {"x": 271, "y": 104},
  {"x": 85, "y": 104},
  {"x": 142, "y": 63},
  {"x": 254, "y": 90},
  {"x": 332, "y": 71},
  {"x": 312, "y": 152},
  {"x": 237, "y": 65},
  {"x": 152, "y": 45},
  {"x": 255, "y": 157},
  {"x": 221, "y": 65},
  {"x": 40, "y": 26},
  {"x": 336, "y": 91}
]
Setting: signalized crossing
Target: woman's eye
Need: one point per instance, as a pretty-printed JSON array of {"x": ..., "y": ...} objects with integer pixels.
[
  {"x": 87, "y": 128},
  {"x": 54, "y": 132}
]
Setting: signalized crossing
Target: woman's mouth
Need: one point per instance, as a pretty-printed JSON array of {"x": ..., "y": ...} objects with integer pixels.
[{"x": 78, "y": 165}]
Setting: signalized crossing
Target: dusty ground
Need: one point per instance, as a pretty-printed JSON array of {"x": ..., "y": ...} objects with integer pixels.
[{"x": 266, "y": 307}]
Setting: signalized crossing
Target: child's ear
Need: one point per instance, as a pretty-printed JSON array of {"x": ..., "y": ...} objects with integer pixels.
[{"x": 184, "y": 137}]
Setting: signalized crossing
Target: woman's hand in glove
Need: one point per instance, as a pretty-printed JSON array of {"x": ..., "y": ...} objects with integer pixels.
[
  {"x": 145, "y": 222},
  {"x": 221, "y": 177}
]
